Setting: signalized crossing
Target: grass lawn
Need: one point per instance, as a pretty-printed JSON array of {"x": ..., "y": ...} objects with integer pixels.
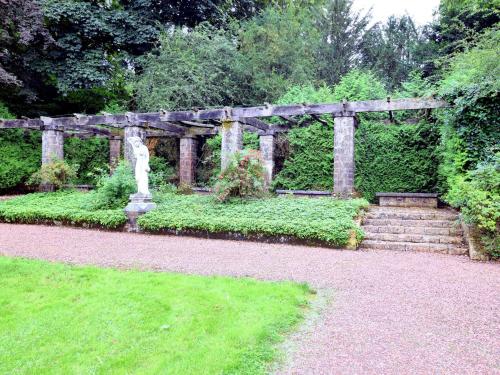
[
  {"x": 59, "y": 319},
  {"x": 66, "y": 206},
  {"x": 325, "y": 219}
]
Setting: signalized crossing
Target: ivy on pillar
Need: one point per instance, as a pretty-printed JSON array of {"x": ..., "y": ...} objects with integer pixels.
[
  {"x": 115, "y": 146},
  {"x": 232, "y": 140},
  {"x": 187, "y": 160},
  {"x": 132, "y": 130},
  {"x": 343, "y": 164},
  {"x": 267, "y": 146},
  {"x": 52, "y": 141}
]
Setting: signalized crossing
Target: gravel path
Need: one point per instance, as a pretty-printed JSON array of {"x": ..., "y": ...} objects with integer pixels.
[{"x": 391, "y": 312}]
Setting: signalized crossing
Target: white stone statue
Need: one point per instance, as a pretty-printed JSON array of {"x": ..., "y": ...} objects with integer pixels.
[{"x": 141, "y": 154}]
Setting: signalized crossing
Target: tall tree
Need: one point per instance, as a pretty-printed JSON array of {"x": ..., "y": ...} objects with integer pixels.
[
  {"x": 393, "y": 49},
  {"x": 342, "y": 31},
  {"x": 22, "y": 36}
]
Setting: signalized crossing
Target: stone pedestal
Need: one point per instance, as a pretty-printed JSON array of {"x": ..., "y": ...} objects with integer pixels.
[
  {"x": 138, "y": 205},
  {"x": 232, "y": 141},
  {"x": 343, "y": 165},
  {"x": 187, "y": 161},
  {"x": 267, "y": 151}
]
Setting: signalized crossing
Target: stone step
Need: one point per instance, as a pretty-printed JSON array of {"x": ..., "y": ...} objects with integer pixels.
[
  {"x": 409, "y": 215},
  {"x": 405, "y": 237},
  {"x": 452, "y": 230},
  {"x": 409, "y": 223},
  {"x": 414, "y": 246}
]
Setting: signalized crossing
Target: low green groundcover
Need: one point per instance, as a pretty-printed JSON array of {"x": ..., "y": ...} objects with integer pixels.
[
  {"x": 57, "y": 319},
  {"x": 324, "y": 219},
  {"x": 67, "y": 206}
]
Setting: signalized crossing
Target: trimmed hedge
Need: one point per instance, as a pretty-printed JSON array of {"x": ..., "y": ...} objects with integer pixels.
[
  {"x": 396, "y": 158},
  {"x": 64, "y": 206},
  {"x": 324, "y": 219}
]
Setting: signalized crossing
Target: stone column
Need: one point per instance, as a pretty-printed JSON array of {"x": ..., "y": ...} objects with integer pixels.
[
  {"x": 52, "y": 143},
  {"x": 132, "y": 131},
  {"x": 343, "y": 167},
  {"x": 187, "y": 160},
  {"x": 115, "y": 146},
  {"x": 232, "y": 141},
  {"x": 267, "y": 152}
]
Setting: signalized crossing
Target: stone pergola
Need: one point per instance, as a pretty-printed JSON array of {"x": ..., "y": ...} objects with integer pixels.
[{"x": 229, "y": 122}]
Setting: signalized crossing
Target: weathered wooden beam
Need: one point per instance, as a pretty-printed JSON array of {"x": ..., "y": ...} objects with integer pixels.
[
  {"x": 319, "y": 119},
  {"x": 256, "y": 123},
  {"x": 196, "y": 124},
  {"x": 167, "y": 126},
  {"x": 237, "y": 114}
]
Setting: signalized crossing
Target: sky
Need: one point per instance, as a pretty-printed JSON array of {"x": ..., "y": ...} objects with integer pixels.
[{"x": 420, "y": 10}]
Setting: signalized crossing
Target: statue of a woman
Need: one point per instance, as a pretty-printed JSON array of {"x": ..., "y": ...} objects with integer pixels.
[{"x": 141, "y": 154}]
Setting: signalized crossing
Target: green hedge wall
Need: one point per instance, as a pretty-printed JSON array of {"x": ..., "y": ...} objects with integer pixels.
[
  {"x": 399, "y": 158},
  {"x": 396, "y": 158},
  {"x": 20, "y": 156}
]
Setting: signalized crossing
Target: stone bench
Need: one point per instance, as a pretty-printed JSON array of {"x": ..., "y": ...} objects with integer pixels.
[{"x": 407, "y": 199}]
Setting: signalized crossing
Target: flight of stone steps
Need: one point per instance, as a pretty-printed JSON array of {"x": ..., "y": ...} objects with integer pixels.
[{"x": 413, "y": 229}]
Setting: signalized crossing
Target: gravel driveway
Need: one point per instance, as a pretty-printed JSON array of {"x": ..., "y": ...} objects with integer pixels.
[{"x": 391, "y": 312}]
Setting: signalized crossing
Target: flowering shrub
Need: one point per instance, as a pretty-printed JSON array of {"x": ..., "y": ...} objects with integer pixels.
[{"x": 243, "y": 177}]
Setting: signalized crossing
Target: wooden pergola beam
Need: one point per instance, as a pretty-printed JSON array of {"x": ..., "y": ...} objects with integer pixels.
[{"x": 236, "y": 114}]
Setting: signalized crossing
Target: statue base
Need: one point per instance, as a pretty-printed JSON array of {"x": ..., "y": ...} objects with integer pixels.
[{"x": 138, "y": 205}]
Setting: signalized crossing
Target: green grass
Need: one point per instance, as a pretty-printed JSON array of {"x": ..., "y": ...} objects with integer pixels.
[
  {"x": 58, "y": 319},
  {"x": 66, "y": 206},
  {"x": 324, "y": 219}
]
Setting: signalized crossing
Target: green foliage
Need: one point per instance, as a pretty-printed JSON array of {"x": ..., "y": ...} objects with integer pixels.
[
  {"x": 324, "y": 219},
  {"x": 209, "y": 168},
  {"x": 194, "y": 68},
  {"x": 56, "y": 173},
  {"x": 277, "y": 50},
  {"x": 396, "y": 158},
  {"x": 108, "y": 321},
  {"x": 112, "y": 192},
  {"x": 394, "y": 49},
  {"x": 310, "y": 163},
  {"x": 477, "y": 194},
  {"x": 20, "y": 153},
  {"x": 89, "y": 155},
  {"x": 242, "y": 178},
  {"x": 162, "y": 174},
  {"x": 471, "y": 128},
  {"x": 62, "y": 206}
]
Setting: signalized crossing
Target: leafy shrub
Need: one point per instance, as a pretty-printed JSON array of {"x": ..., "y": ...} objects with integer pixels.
[
  {"x": 89, "y": 155},
  {"x": 65, "y": 206},
  {"x": 323, "y": 219},
  {"x": 20, "y": 155},
  {"x": 243, "y": 177},
  {"x": 162, "y": 174},
  {"x": 113, "y": 191},
  {"x": 56, "y": 173},
  {"x": 209, "y": 168},
  {"x": 396, "y": 158},
  {"x": 19, "y": 152},
  {"x": 471, "y": 128},
  {"x": 477, "y": 194}
]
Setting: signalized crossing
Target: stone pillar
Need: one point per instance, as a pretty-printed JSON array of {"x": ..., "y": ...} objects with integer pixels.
[
  {"x": 132, "y": 131},
  {"x": 232, "y": 141},
  {"x": 115, "y": 146},
  {"x": 267, "y": 152},
  {"x": 52, "y": 143},
  {"x": 343, "y": 167},
  {"x": 187, "y": 161}
]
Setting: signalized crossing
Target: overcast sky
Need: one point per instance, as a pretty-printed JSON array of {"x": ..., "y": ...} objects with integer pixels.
[{"x": 420, "y": 10}]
